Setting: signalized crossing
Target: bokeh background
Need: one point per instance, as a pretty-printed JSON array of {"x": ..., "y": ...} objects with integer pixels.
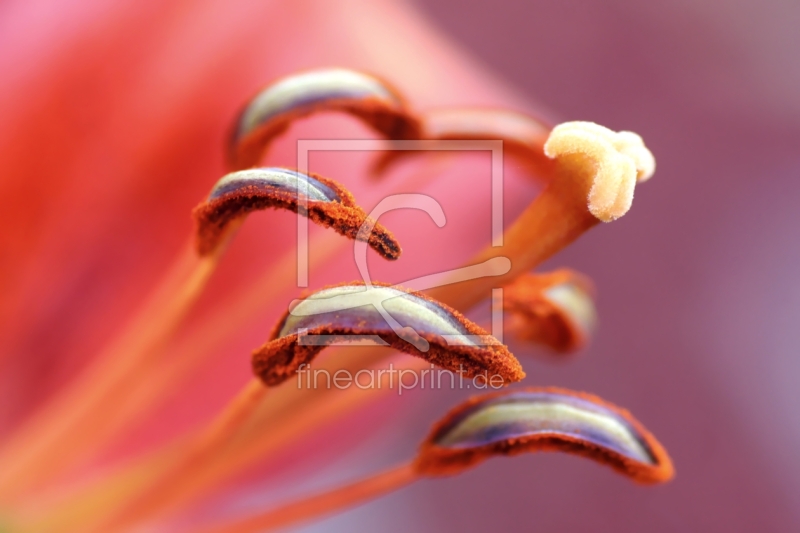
[{"x": 113, "y": 115}]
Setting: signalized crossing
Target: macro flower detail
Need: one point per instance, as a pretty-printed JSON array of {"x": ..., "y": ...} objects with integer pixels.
[
  {"x": 408, "y": 321},
  {"x": 548, "y": 419},
  {"x": 554, "y": 309},
  {"x": 321, "y": 199},
  {"x": 523, "y": 135},
  {"x": 270, "y": 113},
  {"x": 619, "y": 159},
  {"x": 588, "y": 174}
]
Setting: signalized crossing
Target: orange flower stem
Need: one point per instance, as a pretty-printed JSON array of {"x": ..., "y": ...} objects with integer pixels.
[
  {"x": 324, "y": 503},
  {"x": 65, "y": 431}
]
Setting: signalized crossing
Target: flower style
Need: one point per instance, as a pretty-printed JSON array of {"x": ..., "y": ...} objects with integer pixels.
[{"x": 588, "y": 173}]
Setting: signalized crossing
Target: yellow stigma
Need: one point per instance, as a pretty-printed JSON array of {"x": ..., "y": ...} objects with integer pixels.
[{"x": 617, "y": 160}]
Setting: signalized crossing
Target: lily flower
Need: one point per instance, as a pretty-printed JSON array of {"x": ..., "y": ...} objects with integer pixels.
[{"x": 110, "y": 257}]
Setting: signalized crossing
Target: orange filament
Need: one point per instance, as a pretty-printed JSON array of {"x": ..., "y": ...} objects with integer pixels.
[
  {"x": 317, "y": 506},
  {"x": 290, "y": 414},
  {"x": 72, "y": 426},
  {"x": 554, "y": 220},
  {"x": 204, "y": 448}
]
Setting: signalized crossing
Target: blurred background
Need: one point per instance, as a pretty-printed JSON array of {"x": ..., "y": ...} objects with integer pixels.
[{"x": 697, "y": 287}]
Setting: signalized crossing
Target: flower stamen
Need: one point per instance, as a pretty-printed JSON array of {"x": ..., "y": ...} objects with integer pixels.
[
  {"x": 408, "y": 321},
  {"x": 272, "y": 110},
  {"x": 592, "y": 164},
  {"x": 326, "y": 202},
  {"x": 523, "y": 136},
  {"x": 336, "y": 313},
  {"x": 554, "y": 309},
  {"x": 554, "y": 220},
  {"x": 544, "y": 419}
]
